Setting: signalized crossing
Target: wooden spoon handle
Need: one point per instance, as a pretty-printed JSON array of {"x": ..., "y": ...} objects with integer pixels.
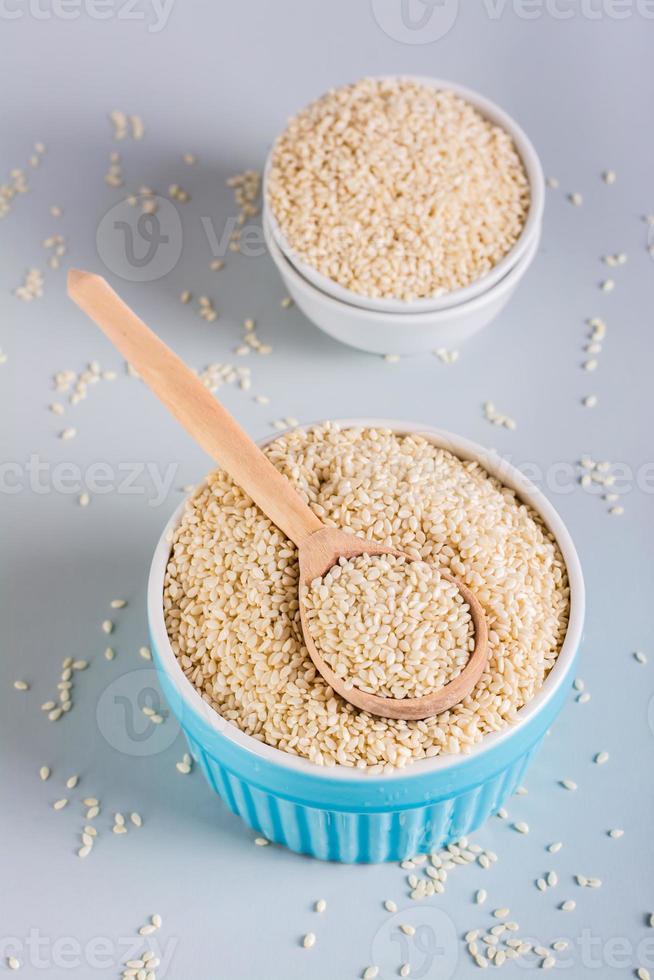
[{"x": 194, "y": 406}]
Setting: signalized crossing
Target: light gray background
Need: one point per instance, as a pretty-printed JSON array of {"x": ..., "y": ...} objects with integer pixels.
[{"x": 219, "y": 80}]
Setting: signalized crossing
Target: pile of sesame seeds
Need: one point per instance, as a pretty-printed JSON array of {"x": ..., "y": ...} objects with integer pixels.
[
  {"x": 231, "y": 592},
  {"x": 395, "y": 189},
  {"x": 389, "y": 626}
]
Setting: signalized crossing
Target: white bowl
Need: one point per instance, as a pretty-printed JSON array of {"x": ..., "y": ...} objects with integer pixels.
[
  {"x": 398, "y": 333},
  {"x": 530, "y": 230}
]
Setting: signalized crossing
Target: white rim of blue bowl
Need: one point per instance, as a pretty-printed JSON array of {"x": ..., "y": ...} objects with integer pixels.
[
  {"x": 534, "y": 170},
  {"x": 465, "y": 449},
  {"x": 403, "y": 320}
]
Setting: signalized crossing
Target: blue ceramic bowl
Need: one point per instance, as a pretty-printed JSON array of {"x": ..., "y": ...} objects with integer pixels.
[{"x": 343, "y": 814}]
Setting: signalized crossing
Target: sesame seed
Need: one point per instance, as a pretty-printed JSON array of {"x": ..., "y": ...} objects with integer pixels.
[
  {"x": 643, "y": 973},
  {"x": 118, "y": 603},
  {"x": 21, "y": 685},
  {"x": 390, "y": 905},
  {"x": 107, "y": 626},
  {"x": 309, "y": 940},
  {"x": 616, "y": 511},
  {"x": 408, "y": 930},
  {"x": 370, "y": 973},
  {"x": 548, "y": 963},
  {"x": 576, "y": 199},
  {"x": 501, "y": 913},
  {"x": 568, "y": 906},
  {"x": 85, "y": 850},
  {"x": 405, "y": 970},
  {"x": 521, "y": 827},
  {"x": 601, "y": 758},
  {"x": 13, "y": 963},
  {"x": 552, "y": 879},
  {"x": 145, "y": 653},
  {"x": 552, "y": 183},
  {"x": 261, "y": 841},
  {"x": 616, "y": 833},
  {"x": 555, "y": 847},
  {"x": 84, "y": 499},
  {"x": 183, "y": 767},
  {"x": 568, "y": 784},
  {"x": 584, "y": 698},
  {"x": 68, "y": 433},
  {"x": 59, "y": 804},
  {"x": 136, "y": 819},
  {"x": 480, "y": 896},
  {"x": 609, "y": 176},
  {"x": 608, "y": 285},
  {"x": 640, "y": 657},
  {"x": 589, "y": 401},
  {"x": 44, "y": 773},
  {"x": 541, "y": 884},
  {"x": 109, "y": 653},
  {"x": 147, "y": 929},
  {"x": 72, "y": 782}
]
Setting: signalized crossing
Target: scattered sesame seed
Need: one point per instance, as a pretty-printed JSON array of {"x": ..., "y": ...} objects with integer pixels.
[
  {"x": 109, "y": 653},
  {"x": 589, "y": 401},
  {"x": 481, "y": 896},
  {"x": 568, "y": 784},
  {"x": 568, "y": 906},
  {"x": 390, "y": 905},
  {"x": 616, "y": 833},
  {"x": 502, "y": 913},
  {"x": 261, "y": 841},
  {"x": 309, "y": 940},
  {"x": 21, "y": 685},
  {"x": 136, "y": 819},
  {"x": 405, "y": 970},
  {"x": 320, "y": 905},
  {"x": 107, "y": 626},
  {"x": 640, "y": 657},
  {"x": 521, "y": 827},
  {"x": 583, "y": 698},
  {"x": 59, "y": 804},
  {"x": 576, "y": 199},
  {"x": 552, "y": 182},
  {"x": 84, "y": 499},
  {"x": 407, "y": 929},
  {"x": 68, "y": 433},
  {"x": 643, "y": 973},
  {"x": 616, "y": 511},
  {"x": 118, "y": 603},
  {"x": 370, "y": 973},
  {"x": 85, "y": 850},
  {"x": 183, "y": 767},
  {"x": 608, "y": 285},
  {"x": 609, "y": 176},
  {"x": 548, "y": 963},
  {"x": 391, "y": 358},
  {"x": 555, "y": 847},
  {"x": 72, "y": 782},
  {"x": 145, "y": 653},
  {"x": 13, "y": 963},
  {"x": 601, "y": 758}
]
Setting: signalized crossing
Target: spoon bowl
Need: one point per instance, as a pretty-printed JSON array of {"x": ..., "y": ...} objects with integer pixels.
[{"x": 320, "y": 552}]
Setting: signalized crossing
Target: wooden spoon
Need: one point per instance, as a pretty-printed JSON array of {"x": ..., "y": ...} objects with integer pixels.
[{"x": 319, "y": 546}]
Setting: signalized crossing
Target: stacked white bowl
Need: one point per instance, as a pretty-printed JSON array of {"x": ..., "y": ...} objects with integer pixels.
[{"x": 394, "y": 326}]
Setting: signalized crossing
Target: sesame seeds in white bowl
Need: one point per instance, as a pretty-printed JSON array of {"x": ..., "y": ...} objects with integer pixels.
[
  {"x": 341, "y": 811},
  {"x": 398, "y": 333},
  {"x": 403, "y": 194}
]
